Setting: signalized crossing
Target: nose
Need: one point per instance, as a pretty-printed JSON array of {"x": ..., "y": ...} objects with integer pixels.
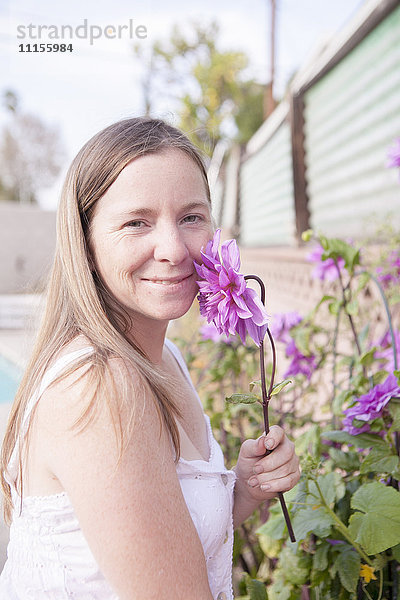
[{"x": 170, "y": 246}]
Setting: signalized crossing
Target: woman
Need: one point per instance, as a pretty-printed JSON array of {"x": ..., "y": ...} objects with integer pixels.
[{"x": 116, "y": 486}]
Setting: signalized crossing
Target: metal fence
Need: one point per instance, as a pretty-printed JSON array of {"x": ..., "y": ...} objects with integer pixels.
[{"x": 320, "y": 159}]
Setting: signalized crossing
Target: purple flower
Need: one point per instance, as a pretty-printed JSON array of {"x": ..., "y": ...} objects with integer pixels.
[
  {"x": 224, "y": 297},
  {"x": 281, "y": 325},
  {"x": 300, "y": 364},
  {"x": 209, "y": 331},
  {"x": 394, "y": 154},
  {"x": 370, "y": 406},
  {"x": 390, "y": 274},
  {"x": 324, "y": 269}
]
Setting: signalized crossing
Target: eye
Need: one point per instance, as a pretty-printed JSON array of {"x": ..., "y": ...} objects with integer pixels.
[
  {"x": 135, "y": 224},
  {"x": 192, "y": 219}
]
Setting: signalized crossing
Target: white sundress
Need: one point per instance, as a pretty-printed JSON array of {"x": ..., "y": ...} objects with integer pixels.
[{"x": 48, "y": 557}]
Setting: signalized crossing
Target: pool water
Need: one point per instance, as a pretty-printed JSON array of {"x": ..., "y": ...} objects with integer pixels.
[{"x": 10, "y": 376}]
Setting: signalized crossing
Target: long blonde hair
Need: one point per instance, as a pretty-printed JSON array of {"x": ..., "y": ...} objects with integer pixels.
[{"x": 79, "y": 303}]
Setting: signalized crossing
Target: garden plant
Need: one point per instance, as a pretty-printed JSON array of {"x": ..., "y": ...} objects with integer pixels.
[{"x": 342, "y": 407}]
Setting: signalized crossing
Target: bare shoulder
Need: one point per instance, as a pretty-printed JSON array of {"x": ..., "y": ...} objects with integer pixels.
[
  {"x": 136, "y": 496},
  {"x": 110, "y": 387}
]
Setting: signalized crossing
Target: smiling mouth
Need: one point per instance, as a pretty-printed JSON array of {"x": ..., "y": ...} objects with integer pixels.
[{"x": 169, "y": 281}]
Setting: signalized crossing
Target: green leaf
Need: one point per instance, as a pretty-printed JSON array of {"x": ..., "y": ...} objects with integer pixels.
[
  {"x": 320, "y": 558},
  {"x": 334, "y": 307},
  {"x": 242, "y": 399},
  {"x": 377, "y": 526},
  {"x": 325, "y": 298},
  {"x": 318, "y": 577},
  {"x": 309, "y": 441},
  {"x": 302, "y": 339},
  {"x": 394, "y": 409},
  {"x": 274, "y": 528},
  {"x": 368, "y": 357},
  {"x": 279, "y": 386},
  {"x": 331, "y": 486},
  {"x": 254, "y": 384},
  {"x": 270, "y": 547},
  {"x": 312, "y": 520},
  {"x": 336, "y": 248},
  {"x": 380, "y": 460},
  {"x": 348, "y": 568},
  {"x": 349, "y": 461},
  {"x": 363, "y": 336},
  {"x": 379, "y": 377},
  {"x": 363, "y": 280},
  {"x": 280, "y": 590},
  {"x": 352, "y": 307},
  {"x": 364, "y": 440},
  {"x": 296, "y": 567},
  {"x": 324, "y": 242},
  {"x": 256, "y": 589}
]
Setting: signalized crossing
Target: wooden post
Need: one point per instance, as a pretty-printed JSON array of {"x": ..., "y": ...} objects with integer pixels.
[
  {"x": 269, "y": 100},
  {"x": 302, "y": 213}
]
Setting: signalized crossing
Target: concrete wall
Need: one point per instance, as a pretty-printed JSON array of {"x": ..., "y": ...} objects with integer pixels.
[{"x": 27, "y": 242}]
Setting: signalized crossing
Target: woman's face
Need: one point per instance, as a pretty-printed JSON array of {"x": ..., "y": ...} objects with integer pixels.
[{"x": 146, "y": 231}]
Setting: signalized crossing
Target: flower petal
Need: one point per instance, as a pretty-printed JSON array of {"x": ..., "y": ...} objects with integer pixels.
[{"x": 230, "y": 254}]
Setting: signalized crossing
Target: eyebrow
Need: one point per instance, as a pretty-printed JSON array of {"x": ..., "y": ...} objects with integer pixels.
[{"x": 148, "y": 212}]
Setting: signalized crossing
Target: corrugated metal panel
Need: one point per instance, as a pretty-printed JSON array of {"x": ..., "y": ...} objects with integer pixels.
[
  {"x": 266, "y": 191},
  {"x": 352, "y": 116}
]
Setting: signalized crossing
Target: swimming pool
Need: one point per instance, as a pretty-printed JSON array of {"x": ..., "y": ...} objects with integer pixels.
[{"x": 10, "y": 376}]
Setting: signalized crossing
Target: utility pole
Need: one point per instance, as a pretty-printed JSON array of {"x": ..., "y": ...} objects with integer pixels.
[{"x": 269, "y": 101}]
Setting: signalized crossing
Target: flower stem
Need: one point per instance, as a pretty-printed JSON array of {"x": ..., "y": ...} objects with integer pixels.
[
  {"x": 380, "y": 584},
  {"x": 334, "y": 352},
  {"x": 266, "y": 396},
  {"x": 345, "y": 302}
]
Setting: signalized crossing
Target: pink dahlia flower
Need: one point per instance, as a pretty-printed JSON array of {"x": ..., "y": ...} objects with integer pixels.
[
  {"x": 324, "y": 269},
  {"x": 370, "y": 406},
  {"x": 224, "y": 297},
  {"x": 300, "y": 364},
  {"x": 282, "y": 324},
  {"x": 209, "y": 331},
  {"x": 390, "y": 275},
  {"x": 394, "y": 154}
]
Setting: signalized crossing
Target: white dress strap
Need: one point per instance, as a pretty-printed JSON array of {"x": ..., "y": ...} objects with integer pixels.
[
  {"x": 181, "y": 362},
  {"x": 49, "y": 376}
]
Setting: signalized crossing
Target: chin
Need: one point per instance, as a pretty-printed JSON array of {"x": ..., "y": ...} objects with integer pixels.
[{"x": 177, "y": 311}]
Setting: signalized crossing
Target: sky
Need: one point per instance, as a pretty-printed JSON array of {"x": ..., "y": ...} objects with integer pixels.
[{"x": 99, "y": 81}]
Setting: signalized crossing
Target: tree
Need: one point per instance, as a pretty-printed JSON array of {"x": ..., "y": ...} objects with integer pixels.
[
  {"x": 214, "y": 97},
  {"x": 31, "y": 153}
]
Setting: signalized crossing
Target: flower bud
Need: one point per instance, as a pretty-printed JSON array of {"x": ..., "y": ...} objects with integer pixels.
[{"x": 307, "y": 235}]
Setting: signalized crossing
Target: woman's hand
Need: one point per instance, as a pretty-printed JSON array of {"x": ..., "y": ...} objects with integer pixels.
[{"x": 261, "y": 477}]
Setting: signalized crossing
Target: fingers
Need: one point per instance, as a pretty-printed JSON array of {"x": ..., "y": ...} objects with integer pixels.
[
  {"x": 264, "y": 476},
  {"x": 254, "y": 448},
  {"x": 275, "y": 437},
  {"x": 283, "y": 484},
  {"x": 280, "y": 480},
  {"x": 280, "y": 456},
  {"x": 277, "y": 472}
]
